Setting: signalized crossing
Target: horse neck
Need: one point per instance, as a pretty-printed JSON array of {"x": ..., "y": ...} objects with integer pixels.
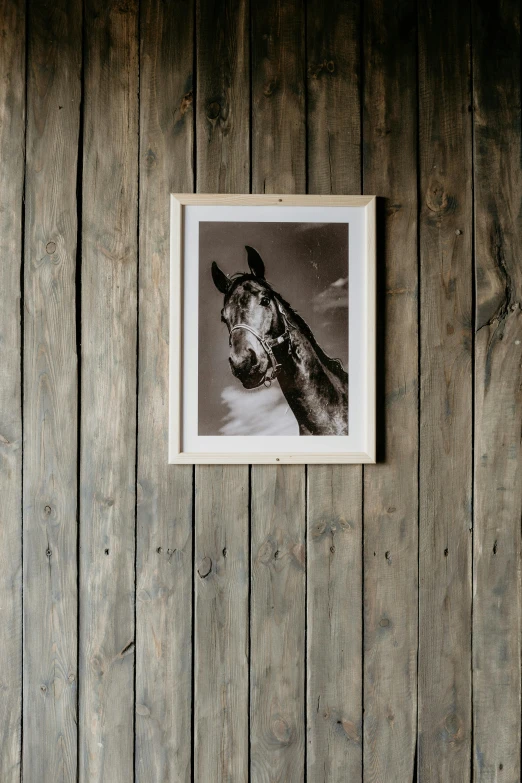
[{"x": 307, "y": 383}]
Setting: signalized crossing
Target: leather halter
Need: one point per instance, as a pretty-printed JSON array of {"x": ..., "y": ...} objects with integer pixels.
[{"x": 267, "y": 345}]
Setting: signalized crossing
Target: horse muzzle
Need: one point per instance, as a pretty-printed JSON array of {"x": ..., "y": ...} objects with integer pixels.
[{"x": 248, "y": 369}]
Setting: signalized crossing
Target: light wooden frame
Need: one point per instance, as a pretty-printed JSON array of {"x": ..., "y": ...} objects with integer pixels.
[{"x": 178, "y": 203}]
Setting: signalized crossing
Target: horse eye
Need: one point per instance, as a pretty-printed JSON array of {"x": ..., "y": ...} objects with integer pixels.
[{"x": 265, "y": 301}]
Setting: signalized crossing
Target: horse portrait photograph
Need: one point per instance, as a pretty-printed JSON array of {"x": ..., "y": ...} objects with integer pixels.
[
  {"x": 273, "y": 335},
  {"x": 271, "y": 328}
]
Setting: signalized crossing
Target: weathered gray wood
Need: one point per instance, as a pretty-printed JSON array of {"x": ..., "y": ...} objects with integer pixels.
[
  {"x": 391, "y": 486},
  {"x": 164, "y": 514},
  {"x": 108, "y": 394},
  {"x": 278, "y": 623},
  {"x": 278, "y": 580},
  {"x": 164, "y": 553},
  {"x": 446, "y": 393},
  {"x": 278, "y": 97},
  {"x": 221, "y": 623},
  {"x": 223, "y": 96},
  {"x": 334, "y": 524},
  {"x": 497, "y": 610},
  {"x": 12, "y": 138},
  {"x": 334, "y": 609},
  {"x": 222, "y": 518},
  {"x": 333, "y": 82},
  {"x": 50, "y": 394}
]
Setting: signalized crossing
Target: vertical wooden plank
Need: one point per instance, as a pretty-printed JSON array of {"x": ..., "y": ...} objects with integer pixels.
[
  {"x": 446, "y": 393},
  {"x": 334, "y": 523},
  {"x": 278, "y": 578},
  {"x": 278, "y": 98},
  {"x": 223, "y": 96},
  {"x": 164, "y": 514},
  {"x": 391, "y": 486},
  {"x": 334, "y": 608},
  {"x": 108, "y": 401},
  {"x": 334, "y": 99},
  {"x": 497, "y": 607},
  {"x": 51, "y": 393},
  {"x": 222, "y": 518},
  {"x": 12, "y": 138},
  {"x": 278, "y": 623},
  {"x": 221, "y": 624}
]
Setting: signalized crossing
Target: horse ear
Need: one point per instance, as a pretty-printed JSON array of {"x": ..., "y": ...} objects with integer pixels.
[
  {"x": 255, "y": 262},
  {"x": 220, "y": 279}
]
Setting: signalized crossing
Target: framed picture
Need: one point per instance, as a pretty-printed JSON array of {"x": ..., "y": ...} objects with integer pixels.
[{"x": 272, "y": 329}]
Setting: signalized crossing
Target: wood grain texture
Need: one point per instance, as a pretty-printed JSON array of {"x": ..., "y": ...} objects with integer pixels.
[
  {"x": 223, "y": 96},
  {"x": 334, "y": 98},
  {"x": 278, "y": 580},
  {"x": 51, "y": 394},
  {"x": 277, "y": 623},
  {"x": 222, "y": 557},
  {"x": 278, "y": 98},
  {"x": 391, "y": 486},
  {"x": 304, "y": 118},
  {"x": 164, "y": 513},
  {"x": 497, "y": 607},
  {"x": 334, "y": 523},
  {"x": 445, "y": 393},
  {"x": 12, "y": 143},
  {"x": 334, "y": 609},
  {"x": 221, "y": 623},
  {"x": 108, "y": 393},
  {"x": 271, "y": 200}
]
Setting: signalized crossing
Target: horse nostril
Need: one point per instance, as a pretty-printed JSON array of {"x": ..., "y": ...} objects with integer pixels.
[{"x": 243, "y": 363}]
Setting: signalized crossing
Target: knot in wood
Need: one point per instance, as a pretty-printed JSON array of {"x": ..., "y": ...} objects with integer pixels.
[
  {"x": 150, "y": 159},
  {"x": 205, "y": 567},
  {"x": 213, "y": 110},
  {"x": 438, "y": 201},
  {"x": 282, "y": 731},
  {"x": 270, "y": 88},
  {"x": 186, "y": 103},
  {"x": 264, "y": 554},
  {"x": 350, "y": 729},
  {"x": 453, "y": 727},
  {"x": 318, "y": 529}
]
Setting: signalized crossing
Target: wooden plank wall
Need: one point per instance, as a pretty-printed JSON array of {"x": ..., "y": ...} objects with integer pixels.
[
  {"x": 50, "y": 392},
  {"x": 273, "y": 623}
]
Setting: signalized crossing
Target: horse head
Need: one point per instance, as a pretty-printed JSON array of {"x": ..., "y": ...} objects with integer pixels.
[{"x": 254, "y": 320}]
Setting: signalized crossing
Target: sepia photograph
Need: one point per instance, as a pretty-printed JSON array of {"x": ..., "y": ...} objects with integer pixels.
[{"x": 273, "y": 329}]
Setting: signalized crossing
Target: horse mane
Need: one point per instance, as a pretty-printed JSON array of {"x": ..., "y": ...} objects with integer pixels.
[{"x": 334, "y": 365}]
